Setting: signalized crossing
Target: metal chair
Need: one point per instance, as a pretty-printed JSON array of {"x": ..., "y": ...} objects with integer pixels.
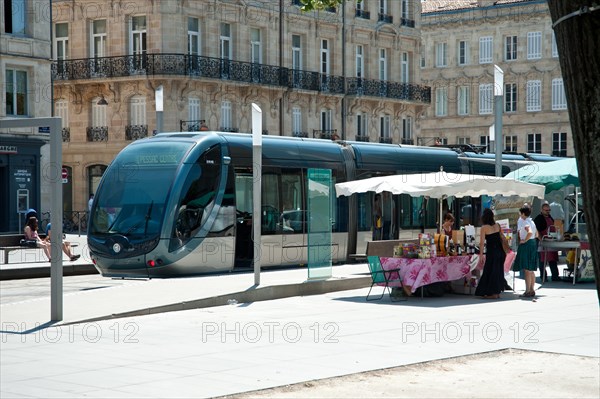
[{"x": 384, "y": 278}]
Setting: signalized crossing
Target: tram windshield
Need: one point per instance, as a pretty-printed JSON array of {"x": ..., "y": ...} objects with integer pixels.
[{"x": 131, "y": 200}]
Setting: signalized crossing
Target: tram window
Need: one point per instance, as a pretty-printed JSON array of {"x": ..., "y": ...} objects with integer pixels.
[
  {"x": 197, "y": 196},
  {"x": 270, "y": 209},
  {"x": 293, "y": 216}
]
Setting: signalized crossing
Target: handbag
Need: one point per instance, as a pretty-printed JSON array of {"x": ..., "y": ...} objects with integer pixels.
[
  {"x": 28, "y": 243},
  {"x": 505, "y": 245}
]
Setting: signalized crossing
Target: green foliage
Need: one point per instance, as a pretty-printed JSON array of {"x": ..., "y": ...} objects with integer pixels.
[{"x": 310, "y": 5}]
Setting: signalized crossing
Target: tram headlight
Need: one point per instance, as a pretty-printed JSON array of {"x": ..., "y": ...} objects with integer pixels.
[{"x": 116, "y": 248}]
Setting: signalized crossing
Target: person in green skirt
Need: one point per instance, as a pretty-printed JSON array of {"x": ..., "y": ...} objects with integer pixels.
[{"x": 527, "y": 256}]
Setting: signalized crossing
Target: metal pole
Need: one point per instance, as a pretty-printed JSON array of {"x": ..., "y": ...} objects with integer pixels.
[
  {"x": 56, "y": 218},
  {"x": 158, "y": 97},
  {"x": 256, "y": 187},
  {"x": 498, "y": 108}
]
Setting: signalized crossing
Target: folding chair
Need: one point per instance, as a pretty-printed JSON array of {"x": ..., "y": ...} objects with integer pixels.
[{"x": 384, "y": 278}]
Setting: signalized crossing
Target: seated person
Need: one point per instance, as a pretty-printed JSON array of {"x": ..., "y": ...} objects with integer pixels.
[
  {"x": 31, "y": 233},
  {"x": 447, "y": 224},
  {"x": 66, "y": 246}
]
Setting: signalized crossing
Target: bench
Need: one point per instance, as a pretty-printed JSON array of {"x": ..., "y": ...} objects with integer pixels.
[
  {"x": 11, "y": 242},
  {"x": 383, "y": 248}
]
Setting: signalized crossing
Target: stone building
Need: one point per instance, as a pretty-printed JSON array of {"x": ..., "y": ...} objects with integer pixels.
[
  {"x": 349, "y": 73},
  {"x": 462, "y": 41},
  {"x": 26, "y": 88}
]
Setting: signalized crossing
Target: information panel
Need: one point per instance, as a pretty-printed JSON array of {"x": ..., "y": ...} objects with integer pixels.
[{"x": 319, "y": 223}]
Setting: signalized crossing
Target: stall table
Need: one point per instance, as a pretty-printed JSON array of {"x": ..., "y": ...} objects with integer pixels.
[
  {"x": 416, "y": 273},
  {"x": 554, "y": 245}
]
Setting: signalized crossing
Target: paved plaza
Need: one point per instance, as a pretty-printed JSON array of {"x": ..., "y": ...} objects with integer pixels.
[{"x": 246, "y": 346}]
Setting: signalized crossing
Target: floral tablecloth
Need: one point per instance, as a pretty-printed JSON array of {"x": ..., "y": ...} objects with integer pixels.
[{"x": 416, "y": 273}]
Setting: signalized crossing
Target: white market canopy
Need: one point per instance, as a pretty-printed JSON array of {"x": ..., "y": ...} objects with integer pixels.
[{"x": 440, "y": 185}]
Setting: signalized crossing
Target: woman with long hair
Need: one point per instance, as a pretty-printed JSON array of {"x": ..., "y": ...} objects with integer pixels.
[
  {"x": 491, "y": 283},
  {"x": 31, "y": 233}
]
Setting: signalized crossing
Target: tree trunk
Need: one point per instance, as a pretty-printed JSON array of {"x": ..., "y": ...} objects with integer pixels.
[{"x": 579, "y": 55}]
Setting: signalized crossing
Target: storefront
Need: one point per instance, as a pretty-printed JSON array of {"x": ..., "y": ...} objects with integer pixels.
[{"x": 20, "y": 171}]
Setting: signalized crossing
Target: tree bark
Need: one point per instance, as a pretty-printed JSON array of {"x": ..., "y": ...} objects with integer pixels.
[{"x": 579, "y": 57}]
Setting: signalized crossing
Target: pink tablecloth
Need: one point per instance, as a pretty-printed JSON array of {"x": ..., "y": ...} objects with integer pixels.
[
  {"x": 510, "y": 258},
  {"x": 416, "y": 273}
]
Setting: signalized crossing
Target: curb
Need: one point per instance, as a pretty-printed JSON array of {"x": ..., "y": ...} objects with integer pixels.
[
  {"x": 250, "y": 295},
  {"x": 44, "y": 271}
]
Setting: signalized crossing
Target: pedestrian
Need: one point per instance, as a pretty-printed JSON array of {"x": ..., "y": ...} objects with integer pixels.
[
  {"x": 527, "y": 256},
  {"x": 66, "y": 246},
  {"x": 31, "y": 233},
  {"x": 388, "y": 215},
  {"x": 90, "y": 203},
  {"x": 492, "y": 280},
  {"x": 377, "y": 221},
  {"x": 203, "y": 127},
  {"x": 544, "y": 223}
]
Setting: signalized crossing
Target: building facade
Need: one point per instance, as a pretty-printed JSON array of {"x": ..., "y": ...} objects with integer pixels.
[
  {"x": 462, "y": 41},
  {"x": 25, "y": 66},
  {"x": 348, "y": 73}
]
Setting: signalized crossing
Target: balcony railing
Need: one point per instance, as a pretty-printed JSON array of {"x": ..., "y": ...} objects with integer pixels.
[
  {"x": 362, "y": 138},
  {"x": 379, "y": 88},
  {"x": 363, "y": 14},
  {"x": 299, "y": 134},
  {"x": 385, "y": 18},
  {"x": 190, "y": 126},
  {"x": 229, "y": 129},
  {"x": 306, "y": 80},
  {"x": 66, "y": 134},
  {"x": 223, "y": 69},
  {"x": 330, "y": 134},
  {"x": 97, "y": 133},
  {"x": 410, "y": 23},
  {"x": 408, "y": 141},
  {"x": 136, "y": 132},
  {"x": 385, "y": 140}
]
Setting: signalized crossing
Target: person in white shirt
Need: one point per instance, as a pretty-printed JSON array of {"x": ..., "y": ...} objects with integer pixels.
[
  {"x": 90, "y": 202},
  {"x": 527, "y": 256}
]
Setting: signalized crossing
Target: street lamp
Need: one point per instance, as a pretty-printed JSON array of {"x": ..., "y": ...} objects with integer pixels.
[{"x": 498, "y": 100}]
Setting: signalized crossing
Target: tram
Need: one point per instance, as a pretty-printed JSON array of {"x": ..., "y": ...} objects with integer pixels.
[{"x": 181, "y": 203}]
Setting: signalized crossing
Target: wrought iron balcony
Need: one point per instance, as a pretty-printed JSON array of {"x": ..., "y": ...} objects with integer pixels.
[
  {"x": 408, "y": 141},
  {"x": 410, "y": 23},
  {"x": 299, "y": 134},
  {"x": 380, "y": 88},
  {"x": 190, "y": 126},
  {"x": 97, "y": 133},
  {"x": 330, "y": 134},
  {"x": 306, "y": 80},
  {"x": 385, "y": 140},
  {"x": 559, "y": 153},
  {"x": 385, "y": 18},
  {"x": 66, "y": 134},
  {"x": 136, "y": 132},
  {"x": 362, "y": 138},
  {"x": 223, "y": 69},
  {"x": 363, "y": 14},
  {"x": 229, "y": 129}
]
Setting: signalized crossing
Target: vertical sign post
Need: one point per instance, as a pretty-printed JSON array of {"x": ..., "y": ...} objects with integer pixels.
[
  {"x": 498, "y": 100},
  {"x": 256, "y": 186},
  {"x": 158, "y": 97}
]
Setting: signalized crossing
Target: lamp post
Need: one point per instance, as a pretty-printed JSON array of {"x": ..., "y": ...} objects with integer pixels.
[
  {"x": 498, "y": 100},
  {"x": 158, "y": 97},
  {"x": 256, "y": 186}
]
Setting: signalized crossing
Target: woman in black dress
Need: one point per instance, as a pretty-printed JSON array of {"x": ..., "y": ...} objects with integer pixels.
[{"x": 491, "y": 283}]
